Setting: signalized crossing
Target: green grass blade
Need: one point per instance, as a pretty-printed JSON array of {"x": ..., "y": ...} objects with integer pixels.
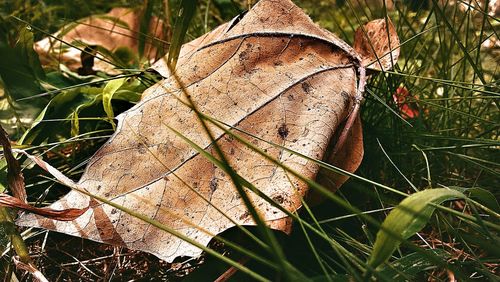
[
  {"x": 146, "y": 17},
  {"x": 186, "y": 14}
]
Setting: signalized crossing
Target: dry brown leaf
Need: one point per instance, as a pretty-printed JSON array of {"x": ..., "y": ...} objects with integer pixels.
[
  {"x": 107, "y": 31},
  {"x": 274, "y": 74},
  {"x": 348, "y": 159},
  {"x": 63, "y": 215},
  {"x": 378, "y": 49},
  {"x": 15, "y": 177}
]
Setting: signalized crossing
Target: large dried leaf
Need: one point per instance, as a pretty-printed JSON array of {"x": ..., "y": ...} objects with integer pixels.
[{"x": 273, "y": 74}]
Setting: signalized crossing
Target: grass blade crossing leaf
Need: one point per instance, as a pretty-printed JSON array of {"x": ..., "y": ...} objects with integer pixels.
[{"x": 409, "y": 217}]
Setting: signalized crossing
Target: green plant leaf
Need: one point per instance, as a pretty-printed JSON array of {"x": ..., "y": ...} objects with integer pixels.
[
  {"x": 483, "y": 196},
  {"x": 107, "y": 95},
  {"x": 409, "y": 217},
  {"x": 20, "y": 70},
  {"x": 73, "y": 105},
  {"x": 407, "y": 267},
  {"x": 61, "y": 107},
  {"x": 186, "y": 13},
  {"x": 20, "y": 75}
]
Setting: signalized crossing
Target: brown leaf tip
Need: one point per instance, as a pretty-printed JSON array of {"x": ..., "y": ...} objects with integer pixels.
[{"x": 377, "y": 43}]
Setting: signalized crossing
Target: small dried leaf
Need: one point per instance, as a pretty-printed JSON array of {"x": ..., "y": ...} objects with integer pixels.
[
  {"x": 378, "y": 44},
  {"x": 118, "y": 28}
]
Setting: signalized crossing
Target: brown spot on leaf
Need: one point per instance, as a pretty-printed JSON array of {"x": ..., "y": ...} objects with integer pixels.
[
  {"x": 243, "y": 56},
  {"x": 279, "y": 199},
  {"x": 213, "y": 184},
  {"x": 107, "y": 230},
  {"x": 306, "y": 87},
  {"x": 283, "y": 131},
  {"x": 345, "y": 96},
  {"x": 245, "y": 215}
]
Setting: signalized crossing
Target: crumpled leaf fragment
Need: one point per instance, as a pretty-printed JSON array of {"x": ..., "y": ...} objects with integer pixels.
[
  {"x": 115, "y": 30},
  {"x": 378, "y": 49},
  {"x": 273, "y": 74},
  {"x": 63, "y": 215}
]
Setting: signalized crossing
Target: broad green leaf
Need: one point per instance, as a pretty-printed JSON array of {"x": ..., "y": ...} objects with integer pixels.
[
  {"x": 409, "y": 217},
  {"x": 407, "y": 267},
  {"x": 483, "y": 196},
  {"x": 20, "y": 69},
  {"x": 186, "y": 13},
  {"x": 107, "y": 95},
  {"x": 68, "y": 105},
  {"x": 64, "y": 78},
  {"x": 62, "y": 107},
  {"x": 21, "y": 74},
  {"x": 130, "y": 91}
]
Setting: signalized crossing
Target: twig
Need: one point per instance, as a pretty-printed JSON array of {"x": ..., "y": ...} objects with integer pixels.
[
  {"x": 231, "y": 271},
  {"x": 31, "y": 269}
]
